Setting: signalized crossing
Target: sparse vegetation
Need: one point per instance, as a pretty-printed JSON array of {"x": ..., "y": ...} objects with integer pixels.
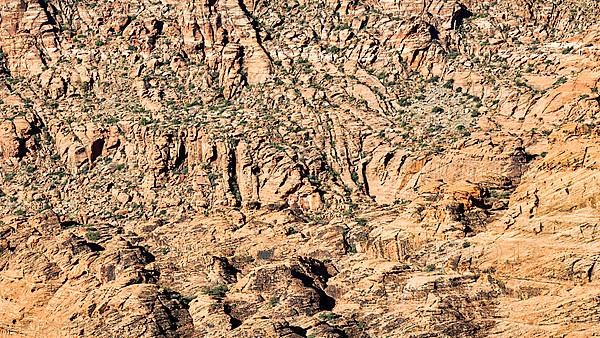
[
  {"x": 308, "y": 156},
  {"x": 567, "y": 50},
  {"x": 328, "y": 316},
  {"x": 274, "y": 301},
  {"x": 560, "y": 80},
  {"x": 8, "y": 177},
  {"x": 92, "y": 235},
  {"x": 361, "y": 221},
  {"x": 217, "y": 291}
]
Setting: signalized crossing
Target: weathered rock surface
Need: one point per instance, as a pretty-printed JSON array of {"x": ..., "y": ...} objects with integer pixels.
[{"x": 333, "y": 168}]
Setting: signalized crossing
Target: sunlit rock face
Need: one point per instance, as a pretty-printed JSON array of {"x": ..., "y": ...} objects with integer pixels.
[{"x": 299, "y": 169}]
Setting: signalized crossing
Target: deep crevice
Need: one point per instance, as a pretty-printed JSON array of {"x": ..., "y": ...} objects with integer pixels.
[
  {"x": 326, "y": 302},
  {"x": 232, "y": 171}
]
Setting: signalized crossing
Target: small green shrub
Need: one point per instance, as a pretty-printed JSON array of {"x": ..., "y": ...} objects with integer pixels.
[
  {"x": 567, "y": 50},
  {"x": 361, "y": 221},
  {"x": 328, "y": 316},
  {"x": 560, "y": 81},
  {"x": 217, "y": 291},
  {"x": 92, "y": 235}
]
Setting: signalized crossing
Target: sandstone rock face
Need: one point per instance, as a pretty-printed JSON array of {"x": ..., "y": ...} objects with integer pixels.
[{"x": 332, "y": 168}]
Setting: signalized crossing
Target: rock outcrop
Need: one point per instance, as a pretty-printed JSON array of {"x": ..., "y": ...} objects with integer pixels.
[{"x": 222, "y": 168}]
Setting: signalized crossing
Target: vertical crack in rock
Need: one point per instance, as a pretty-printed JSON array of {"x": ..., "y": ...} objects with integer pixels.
[{"x": 232, "y": 172}]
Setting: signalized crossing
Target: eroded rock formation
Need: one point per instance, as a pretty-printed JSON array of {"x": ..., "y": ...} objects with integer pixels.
[{"x": 333, "y": 168}]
